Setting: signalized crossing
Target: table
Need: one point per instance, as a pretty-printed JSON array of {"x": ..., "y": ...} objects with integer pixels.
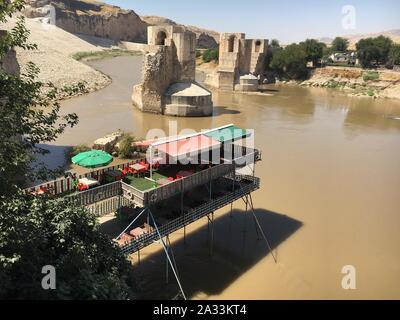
[
  {"x": 89, "y": 182},
  {"x": 137, "y": 232},
  {"x": 137, "y": 167}
]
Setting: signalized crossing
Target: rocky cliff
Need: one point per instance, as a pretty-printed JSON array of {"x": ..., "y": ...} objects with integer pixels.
[
  {"x": 92, "y": 18},
  {"x": 206, "y": 39}
]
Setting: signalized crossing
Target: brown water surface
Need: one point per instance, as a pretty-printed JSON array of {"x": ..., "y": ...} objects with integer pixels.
[{"x": 330, "y": 192}]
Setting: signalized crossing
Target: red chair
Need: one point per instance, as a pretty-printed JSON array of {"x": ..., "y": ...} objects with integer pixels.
[
  {"x": 82, "y": 187},
  {"x": 170, "y": 179}
]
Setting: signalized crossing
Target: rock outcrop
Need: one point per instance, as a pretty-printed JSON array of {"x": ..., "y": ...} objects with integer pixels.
[
  {"x": 92, "y": 18},
  {"x": 206, "y": 39}
]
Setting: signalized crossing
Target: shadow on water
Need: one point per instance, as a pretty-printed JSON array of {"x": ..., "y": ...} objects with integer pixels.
[
  {"x": 219, "y": 110},
  {"x": 236, "y": 249}
]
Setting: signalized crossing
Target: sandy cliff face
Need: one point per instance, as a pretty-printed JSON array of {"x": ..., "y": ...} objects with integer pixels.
[{"x": 93, "y": 18}]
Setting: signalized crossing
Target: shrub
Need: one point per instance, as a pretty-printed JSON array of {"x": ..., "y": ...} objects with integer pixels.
[
  {"x": 126, "y": 147},
  {"x": 72, "y": 152},
  {"x": 370, "y": 75},
  {"x": 211, "y": 55}
]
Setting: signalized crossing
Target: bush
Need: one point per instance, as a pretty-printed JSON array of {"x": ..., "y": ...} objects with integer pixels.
[
  {"x": 370, "y": 75},
  {"x": 126, "y": 147},
  {"x": 211, "y": 55},
  {"x": 72, "y": 152}
]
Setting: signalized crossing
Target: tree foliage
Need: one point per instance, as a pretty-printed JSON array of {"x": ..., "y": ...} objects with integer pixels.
[
  {"x": 394, "y": 56},
  {"x": 126, "y": 147},
  {"x": 314, "y": 50},
  {"x": 211, "y": 55},
  {"x": 29, "y": 117},
  {"x": 290, "y": 62},
  {"x": 374, "y": 51},
  {"x": 39, "y": 231},
  {"x": 339, "y": 44}
]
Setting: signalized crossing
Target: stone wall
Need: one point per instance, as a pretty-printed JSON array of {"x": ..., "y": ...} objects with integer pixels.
[
  {"x": 238, "y": 57},
  {"x": 168, "y": 76},
  {"x": 163, "y": 65}
]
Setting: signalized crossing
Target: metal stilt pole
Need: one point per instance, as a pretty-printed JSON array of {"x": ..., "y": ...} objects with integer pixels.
[
  {"x": 166, "y": 261},
  {"x": 261, "y": 230},
  {"x": 211, "y": 238},
  {"x": 166, "y": 252},
  {"x": 183, "y": 214},
  {"x": 255, "y": 222},
  {"x": 139, "y": 256}
]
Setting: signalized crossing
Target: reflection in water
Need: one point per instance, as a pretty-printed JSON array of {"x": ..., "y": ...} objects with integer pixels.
[{"x": 329, "y": 161}]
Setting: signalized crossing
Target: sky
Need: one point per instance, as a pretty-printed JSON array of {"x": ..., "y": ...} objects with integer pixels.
[{"x": 285, "y": 20}]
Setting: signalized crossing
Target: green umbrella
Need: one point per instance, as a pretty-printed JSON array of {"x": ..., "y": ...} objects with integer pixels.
[{"x": 92, "y": 159}]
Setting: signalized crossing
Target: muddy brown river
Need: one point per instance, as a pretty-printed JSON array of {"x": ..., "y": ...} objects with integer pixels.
[{"x": 330, "y": 194}]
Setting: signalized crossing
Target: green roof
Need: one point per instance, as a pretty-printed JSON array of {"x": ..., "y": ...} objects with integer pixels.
[{"x": 227, "y": 134}]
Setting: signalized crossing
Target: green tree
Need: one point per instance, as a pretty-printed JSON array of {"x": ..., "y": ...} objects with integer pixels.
[
  {"x": 374, "y": 51},
  {"x": 40, "y": 230},
  {"x": 314, "y": 50},
  {"x": 339, "y": 44},
  {"x": 290, "y": 62},
  {"x": 28, "y": 117},
  {"x": 126, "y": 147},
  {"x": 394, "y": 56},
  {"x": 211, "y": 55}
]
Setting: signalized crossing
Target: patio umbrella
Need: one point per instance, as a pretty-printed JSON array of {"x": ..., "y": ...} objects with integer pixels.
[{"x": 92, "y": 159}]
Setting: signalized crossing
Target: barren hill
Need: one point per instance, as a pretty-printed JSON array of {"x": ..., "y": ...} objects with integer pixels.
[
  {"x": 354, "y": 38},
  {"x": 53, "y": 55}
]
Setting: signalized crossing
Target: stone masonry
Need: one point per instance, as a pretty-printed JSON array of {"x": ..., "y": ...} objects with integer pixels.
[
  {"x": 241, "y": 63},
  {"x": 168, "y": 76}
]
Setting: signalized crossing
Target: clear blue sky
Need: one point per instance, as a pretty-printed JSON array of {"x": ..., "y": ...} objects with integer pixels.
[{"x": 286, "y": 20}]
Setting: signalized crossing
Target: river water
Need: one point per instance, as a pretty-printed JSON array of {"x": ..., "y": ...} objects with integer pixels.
[{"x": 330, "y": 194}]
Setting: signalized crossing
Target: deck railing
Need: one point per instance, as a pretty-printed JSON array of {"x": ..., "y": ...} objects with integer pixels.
[
  {"x": 66, "y": 185},
  {"x": 98, "y": 194},
  {"x": 253, "y": 183}
]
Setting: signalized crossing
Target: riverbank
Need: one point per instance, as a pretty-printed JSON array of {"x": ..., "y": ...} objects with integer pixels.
[
  {"x": 57, "y": 56},
  {"x": 351, "y": 81}
]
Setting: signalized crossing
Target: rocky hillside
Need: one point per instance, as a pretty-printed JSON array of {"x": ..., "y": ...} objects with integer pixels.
[
  {"x": 205, "y": 38},
  {"x": 53, "y": 56},
  {"x": 92, "y": 18},
  {"x": 95, "y": 18}
]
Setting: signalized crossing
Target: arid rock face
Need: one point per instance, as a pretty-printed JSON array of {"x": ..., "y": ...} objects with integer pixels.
[
  {"x": 93, "y": 18},
  {"x": 206, "y": 39}
]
